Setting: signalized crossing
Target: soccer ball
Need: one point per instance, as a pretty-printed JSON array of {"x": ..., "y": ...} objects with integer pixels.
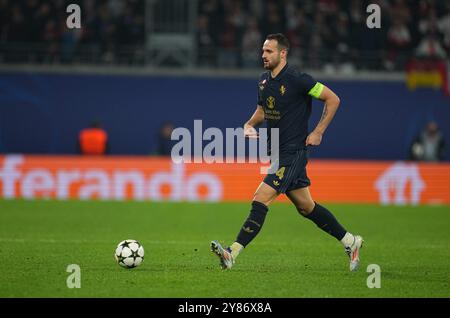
[{"x": 129, "y": 253}]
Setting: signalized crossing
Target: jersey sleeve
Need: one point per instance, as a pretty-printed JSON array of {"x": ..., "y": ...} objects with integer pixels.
[
  {"x": 259, "y": 99},
  {"x": 309, "y": 86}
]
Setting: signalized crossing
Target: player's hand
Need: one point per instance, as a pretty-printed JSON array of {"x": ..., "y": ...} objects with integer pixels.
[
  {"x": 250, "y": 132},
  {"x": 314, "y": 139}
]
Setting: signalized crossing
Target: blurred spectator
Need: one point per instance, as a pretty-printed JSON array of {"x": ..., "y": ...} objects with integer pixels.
[
  {"x": 399, "y": 41},
  {"x": 251, "y": 45},
  {"x": 299, "y": 33},
  {"x": 430, "y": 47},
  {"x": 401, "y": 12},
  {"x": 205, "y": 43},
  {"x": 429, "y": 145},
  {"x": 228, "y": 51},
  {"x": 444, "y": 28},
  {"x": 36, "y": 30},
  {"x": 70, "y": 39},
  {"x": 93, "y": 140},
  {"x": 342, "y": 38},
  {"x": 323, "y": 33},
  {"x": 273, "y": 22},
  {"x": 165, "y": 143},
  {"x": 316, "y": 47},
  {"x": 428, "y": 22}
]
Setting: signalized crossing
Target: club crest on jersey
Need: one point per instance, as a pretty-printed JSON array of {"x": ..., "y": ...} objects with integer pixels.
[
  {"x": 262, "y": 84},
  {"x": 270, "y": 102},
  {"x": 282, "y": 90}
]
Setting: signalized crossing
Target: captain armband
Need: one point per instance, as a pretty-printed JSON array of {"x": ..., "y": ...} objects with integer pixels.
[{"x": 316, "y": 90}]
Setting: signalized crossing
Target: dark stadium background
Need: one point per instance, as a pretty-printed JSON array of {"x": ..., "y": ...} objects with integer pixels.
[{"x": 141, "y": 58}]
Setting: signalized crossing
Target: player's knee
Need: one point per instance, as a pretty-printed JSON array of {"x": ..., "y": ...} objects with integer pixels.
[{"x": 305, "y": 207}]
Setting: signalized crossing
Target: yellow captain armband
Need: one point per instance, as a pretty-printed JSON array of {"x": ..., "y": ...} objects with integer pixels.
[{"x": 316, "y": 90}]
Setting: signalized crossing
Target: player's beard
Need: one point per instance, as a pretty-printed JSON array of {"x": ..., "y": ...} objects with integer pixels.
[{"x": 271, "y": 65}]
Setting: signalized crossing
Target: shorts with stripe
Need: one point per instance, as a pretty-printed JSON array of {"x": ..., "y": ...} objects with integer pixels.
[{"x": 291, "y": 173}]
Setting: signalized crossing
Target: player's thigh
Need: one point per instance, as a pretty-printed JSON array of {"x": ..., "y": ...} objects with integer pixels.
[
  {"x": 265, "y": 194},
  {"x": 302, "y": 200}
]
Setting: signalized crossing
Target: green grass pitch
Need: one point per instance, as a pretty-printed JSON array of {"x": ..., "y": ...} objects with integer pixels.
[{"x": 290, "y": 258}]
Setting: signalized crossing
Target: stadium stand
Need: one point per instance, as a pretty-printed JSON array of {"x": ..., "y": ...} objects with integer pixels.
[{"x": 227, "y": 33}]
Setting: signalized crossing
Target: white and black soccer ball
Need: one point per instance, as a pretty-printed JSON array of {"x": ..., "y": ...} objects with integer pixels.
[{"x": 129, "y": 253}]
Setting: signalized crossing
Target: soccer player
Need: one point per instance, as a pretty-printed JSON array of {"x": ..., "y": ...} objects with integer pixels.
[{"x": 284, "y": 101}]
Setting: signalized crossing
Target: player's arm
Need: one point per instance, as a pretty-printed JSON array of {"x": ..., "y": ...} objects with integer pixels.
[
  {"x": 331, "y": 104},
  {"x": 256, "y": 119}
]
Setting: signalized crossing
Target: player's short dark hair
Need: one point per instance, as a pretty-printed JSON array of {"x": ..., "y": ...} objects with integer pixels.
[{"x": 283, "y": 42}]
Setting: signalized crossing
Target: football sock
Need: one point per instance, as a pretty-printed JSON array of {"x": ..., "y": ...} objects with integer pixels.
[
  {"x": 348, "y": 239},
  {"x": 326, "y": 221},
  {"x": 253, "y": 224},
  {"x": 236, "y": 249}
]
